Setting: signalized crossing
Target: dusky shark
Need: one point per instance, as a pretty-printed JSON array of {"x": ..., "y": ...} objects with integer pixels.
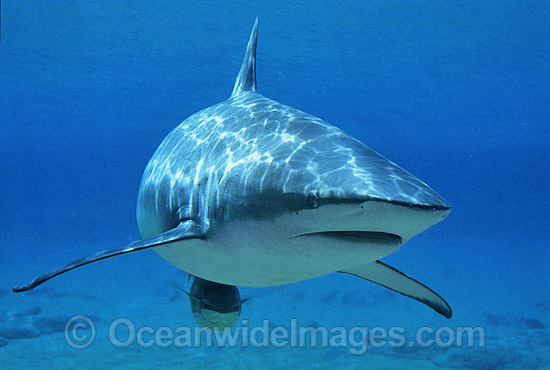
[{"x": 251, "y": 192}]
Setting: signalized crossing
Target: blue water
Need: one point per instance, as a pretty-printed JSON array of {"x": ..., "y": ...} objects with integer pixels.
[{"x": 457, "y": 93}]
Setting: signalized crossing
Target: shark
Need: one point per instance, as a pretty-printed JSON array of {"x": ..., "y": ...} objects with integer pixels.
[{"x": 251, "y": 192}]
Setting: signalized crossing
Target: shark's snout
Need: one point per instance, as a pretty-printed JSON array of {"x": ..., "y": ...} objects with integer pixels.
[{"x": 404, "y": 220}]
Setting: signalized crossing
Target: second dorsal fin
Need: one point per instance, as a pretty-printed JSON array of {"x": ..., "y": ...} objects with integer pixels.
[{"x": 246, "y": 79}]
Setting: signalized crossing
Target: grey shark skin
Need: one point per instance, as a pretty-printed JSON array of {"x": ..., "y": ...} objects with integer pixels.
[{"x": 252, "y": 192}]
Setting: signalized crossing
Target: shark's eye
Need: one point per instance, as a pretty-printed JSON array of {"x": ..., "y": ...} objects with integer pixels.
[{"x": 313, "y": 201}]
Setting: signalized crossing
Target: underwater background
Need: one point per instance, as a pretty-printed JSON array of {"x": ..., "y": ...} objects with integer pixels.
[{"x": 456, "y": 92}]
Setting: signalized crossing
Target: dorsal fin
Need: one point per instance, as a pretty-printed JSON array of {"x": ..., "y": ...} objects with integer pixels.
[{"x": 246, "y": 79}]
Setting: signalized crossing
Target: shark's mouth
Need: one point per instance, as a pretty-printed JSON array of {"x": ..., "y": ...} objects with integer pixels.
[{"x": 372, "y": 237}]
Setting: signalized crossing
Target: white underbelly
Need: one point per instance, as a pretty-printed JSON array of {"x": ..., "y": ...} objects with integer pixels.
[{"x": 259, "y": 253}]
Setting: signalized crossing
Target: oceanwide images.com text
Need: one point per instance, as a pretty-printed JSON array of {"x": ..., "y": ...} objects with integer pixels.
[{"x": 81, "y": 332}]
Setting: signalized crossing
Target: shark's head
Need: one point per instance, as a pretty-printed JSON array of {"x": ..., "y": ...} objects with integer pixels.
[
  {"x": 332, "y": 184},
  {"x": 352, "y": 191}
]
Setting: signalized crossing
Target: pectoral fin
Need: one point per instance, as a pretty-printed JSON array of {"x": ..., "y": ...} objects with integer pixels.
[
  {"x": 185, "y": 230},
  {"x": 391, "y": 278}
]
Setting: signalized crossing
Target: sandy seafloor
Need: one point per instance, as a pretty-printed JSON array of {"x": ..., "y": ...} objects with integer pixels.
[{"x": 104, "y": 293}]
